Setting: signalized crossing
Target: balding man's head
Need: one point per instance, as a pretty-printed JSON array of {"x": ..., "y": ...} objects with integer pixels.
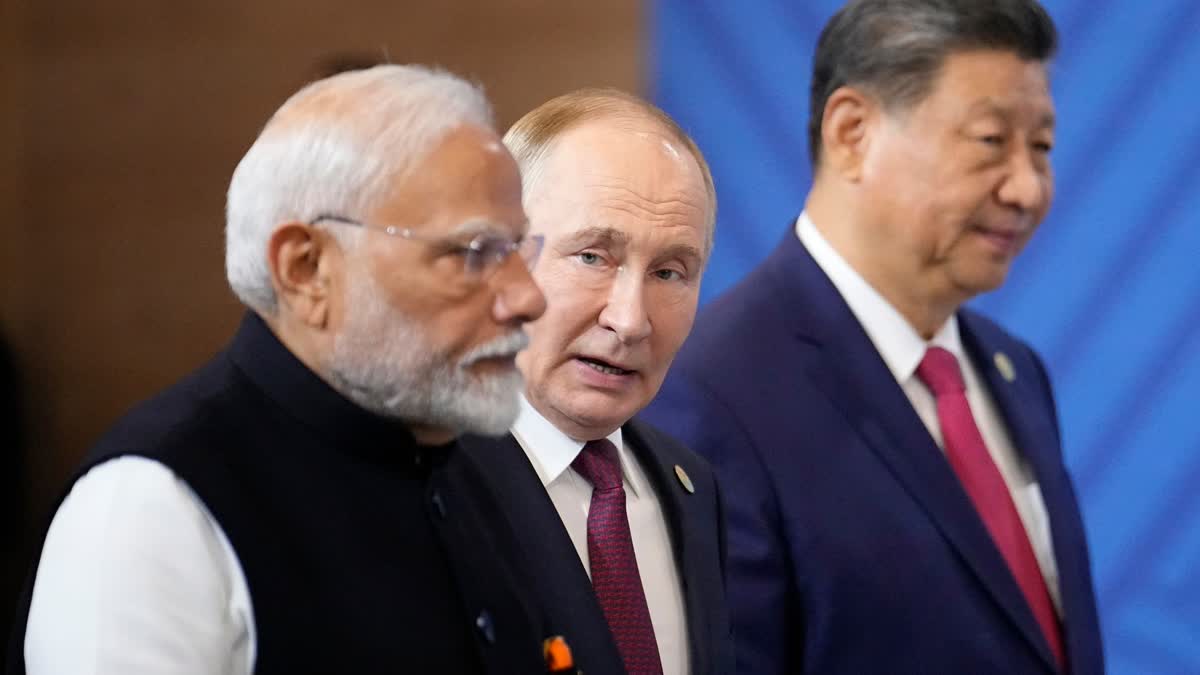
[
  {"x": 625, "y": 203},
  {"x": 532, "y": 138}
]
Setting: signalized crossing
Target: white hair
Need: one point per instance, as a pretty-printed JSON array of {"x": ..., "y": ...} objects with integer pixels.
[
  {"x": 335, "y": 147},
  {"x": 388, "y": 364}
]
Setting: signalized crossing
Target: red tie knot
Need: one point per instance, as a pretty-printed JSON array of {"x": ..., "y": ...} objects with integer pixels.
[
  {"x": 940, "y": 372},
  {"x": 599, "y": 464}
]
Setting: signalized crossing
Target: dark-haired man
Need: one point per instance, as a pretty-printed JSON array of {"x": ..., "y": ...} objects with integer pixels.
[{"x": 891, "y": 462}]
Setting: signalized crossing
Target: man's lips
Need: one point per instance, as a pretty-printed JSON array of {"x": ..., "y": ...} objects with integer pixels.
[
  {"x": 606, "y": 366},
  {"x": 1005, "y": 238}
]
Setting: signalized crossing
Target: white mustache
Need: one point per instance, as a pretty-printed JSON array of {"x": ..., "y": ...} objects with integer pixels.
[{"x": 501, "y": 347}]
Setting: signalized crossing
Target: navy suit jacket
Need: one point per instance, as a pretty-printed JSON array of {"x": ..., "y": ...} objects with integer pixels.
[
  {"x": 852, "y": 546},
  {"x": 565, "y": 590}
]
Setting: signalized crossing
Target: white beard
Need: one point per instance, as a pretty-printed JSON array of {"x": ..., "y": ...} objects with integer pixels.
[{"x": 386, "y": 363}]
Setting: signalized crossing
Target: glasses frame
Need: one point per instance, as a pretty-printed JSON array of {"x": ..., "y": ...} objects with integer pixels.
[{"x": 480, "y": 262}]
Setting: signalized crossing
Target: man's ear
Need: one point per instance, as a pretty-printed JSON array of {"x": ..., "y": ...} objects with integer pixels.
[
  {"x": 846, "y": 128},
  {"x": 301, "y": 259}
]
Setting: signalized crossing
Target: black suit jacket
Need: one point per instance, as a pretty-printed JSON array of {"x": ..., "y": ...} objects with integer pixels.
[{"x": 564, "y": 589}]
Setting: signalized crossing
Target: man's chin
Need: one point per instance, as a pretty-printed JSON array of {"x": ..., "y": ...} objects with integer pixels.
[
  {"x": 488, "y": 406},
  {"x": 599, "y": 418},
  {"x": 983, "y": 276}
]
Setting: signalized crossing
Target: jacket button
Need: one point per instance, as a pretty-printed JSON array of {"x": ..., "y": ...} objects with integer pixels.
[
  {"x": 439, "y": 504},
  {"x": 486, "y": 628}
]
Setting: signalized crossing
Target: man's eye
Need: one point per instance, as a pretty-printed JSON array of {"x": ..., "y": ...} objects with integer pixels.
[
  {"x": 668, "y": 274},
  {"x": 590, "y": 258},
  {"x": 497, "y": 249},
  {"x": 992, "y": 139},
  {"x": 451, "y": 249}
]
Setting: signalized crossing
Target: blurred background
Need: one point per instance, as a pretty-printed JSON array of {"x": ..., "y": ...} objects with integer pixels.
[{"x": 121, "y": 122}]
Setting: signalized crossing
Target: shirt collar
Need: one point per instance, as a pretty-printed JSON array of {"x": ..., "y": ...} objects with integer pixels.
[
  {"x": 551, "y": 451},
  {"x": 901, "y": 347}
]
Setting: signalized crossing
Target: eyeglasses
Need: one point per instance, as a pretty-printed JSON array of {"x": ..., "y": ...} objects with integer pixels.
[{"x": 482, "y": 255}]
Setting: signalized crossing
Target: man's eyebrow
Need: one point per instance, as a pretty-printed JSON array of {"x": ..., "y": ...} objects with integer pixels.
[
  {"x": 989, "y": 106},
  {"x": 682, "y": 251},
  {"x": 600, "y": 235},
  {"x": 477, "y": 226}
]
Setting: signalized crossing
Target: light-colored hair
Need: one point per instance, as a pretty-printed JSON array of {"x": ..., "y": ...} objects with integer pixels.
[
  {"x": 531, "y": 138},
  {"x": 336, "y": 147}
]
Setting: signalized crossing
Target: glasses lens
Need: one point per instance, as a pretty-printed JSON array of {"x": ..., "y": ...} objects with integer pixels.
[
  {"x": 486, "y": 252},
  {"x": 530, "y": 248}
]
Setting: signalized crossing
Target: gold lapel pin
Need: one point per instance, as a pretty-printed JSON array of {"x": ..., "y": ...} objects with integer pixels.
[
  {"x": 685, "y": 479},
  {"x": 1005, "y": 366}
]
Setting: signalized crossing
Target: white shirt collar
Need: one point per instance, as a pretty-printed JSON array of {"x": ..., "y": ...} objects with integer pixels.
[
  {"x": 551, "y": 451},
  {"x": 901, "y": 347}
]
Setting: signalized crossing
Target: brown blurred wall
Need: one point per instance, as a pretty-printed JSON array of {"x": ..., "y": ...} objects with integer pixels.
[{"x": 121, "y": 123}]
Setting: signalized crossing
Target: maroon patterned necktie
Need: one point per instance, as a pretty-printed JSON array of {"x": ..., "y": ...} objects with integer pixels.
[
  {"x": 969, "y": 457},
  {"x": 615, "y": 576}
]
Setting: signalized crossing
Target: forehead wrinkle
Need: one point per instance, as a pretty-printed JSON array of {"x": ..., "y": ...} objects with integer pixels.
[
  {"x": 666, "y": 217},
  {"x": 624, "y": 198},
  {"x": 991, "y": 105}
]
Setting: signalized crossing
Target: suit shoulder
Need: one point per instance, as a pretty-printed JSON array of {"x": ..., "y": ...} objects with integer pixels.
[
  {"x": 667, "y": 447},
  {"x": 991, "y": 341},
  {"x": 988, "y": 332},
  {"x": 987, "y": 327}
]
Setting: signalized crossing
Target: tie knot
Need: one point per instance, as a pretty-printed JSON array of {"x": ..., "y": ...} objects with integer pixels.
[
  {"x": 599, "y": 464},
  {"x": 939, "y": 371}
]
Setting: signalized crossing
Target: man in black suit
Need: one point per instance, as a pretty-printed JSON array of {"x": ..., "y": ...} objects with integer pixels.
[
  {"x": 291, "y": 507},
  {"x": 622, "y": 523}
]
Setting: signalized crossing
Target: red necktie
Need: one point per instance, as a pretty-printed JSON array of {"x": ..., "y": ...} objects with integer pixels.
[
  {"x": 615, "y": 576},
  {"x": 970, "y": 459}
]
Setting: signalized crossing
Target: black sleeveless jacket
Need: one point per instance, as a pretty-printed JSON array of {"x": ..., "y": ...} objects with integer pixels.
[{"x": 363, "y": 552}]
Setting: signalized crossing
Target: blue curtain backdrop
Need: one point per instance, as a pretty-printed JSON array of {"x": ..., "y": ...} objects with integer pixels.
[{"x": 1108, "y": 291}]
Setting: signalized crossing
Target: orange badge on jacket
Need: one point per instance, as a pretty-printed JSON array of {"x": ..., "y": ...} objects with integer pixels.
[{"x": 558, "y": 655}]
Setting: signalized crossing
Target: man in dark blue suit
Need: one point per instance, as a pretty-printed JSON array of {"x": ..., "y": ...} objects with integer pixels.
[
  {"x": 891, "y": 461},
  {"x": 622, "y": 524}
]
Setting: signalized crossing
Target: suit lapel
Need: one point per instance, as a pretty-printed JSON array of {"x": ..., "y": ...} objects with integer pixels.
[
  {"x": 563, "y": 584},
  {"x": 676, "y": 506},
  {"x": 1022, "y": 403},
  {"x": 837, "y": 355}
]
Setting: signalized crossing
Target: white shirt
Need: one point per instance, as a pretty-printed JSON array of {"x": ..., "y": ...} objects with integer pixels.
[
  {"x": 902, "y": 349},
  {"x": 551, "y": 453},
  {"x": 136, "y": 577}
]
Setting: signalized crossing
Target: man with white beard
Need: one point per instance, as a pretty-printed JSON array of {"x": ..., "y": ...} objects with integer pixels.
[{"x": 289, "y": 508}]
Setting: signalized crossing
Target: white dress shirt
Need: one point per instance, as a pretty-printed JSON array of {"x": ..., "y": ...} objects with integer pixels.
[
  {"x": 902, "y": 349},
  {"x": 551, "y": 453},
  {"x": 136, "y": 577}
]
